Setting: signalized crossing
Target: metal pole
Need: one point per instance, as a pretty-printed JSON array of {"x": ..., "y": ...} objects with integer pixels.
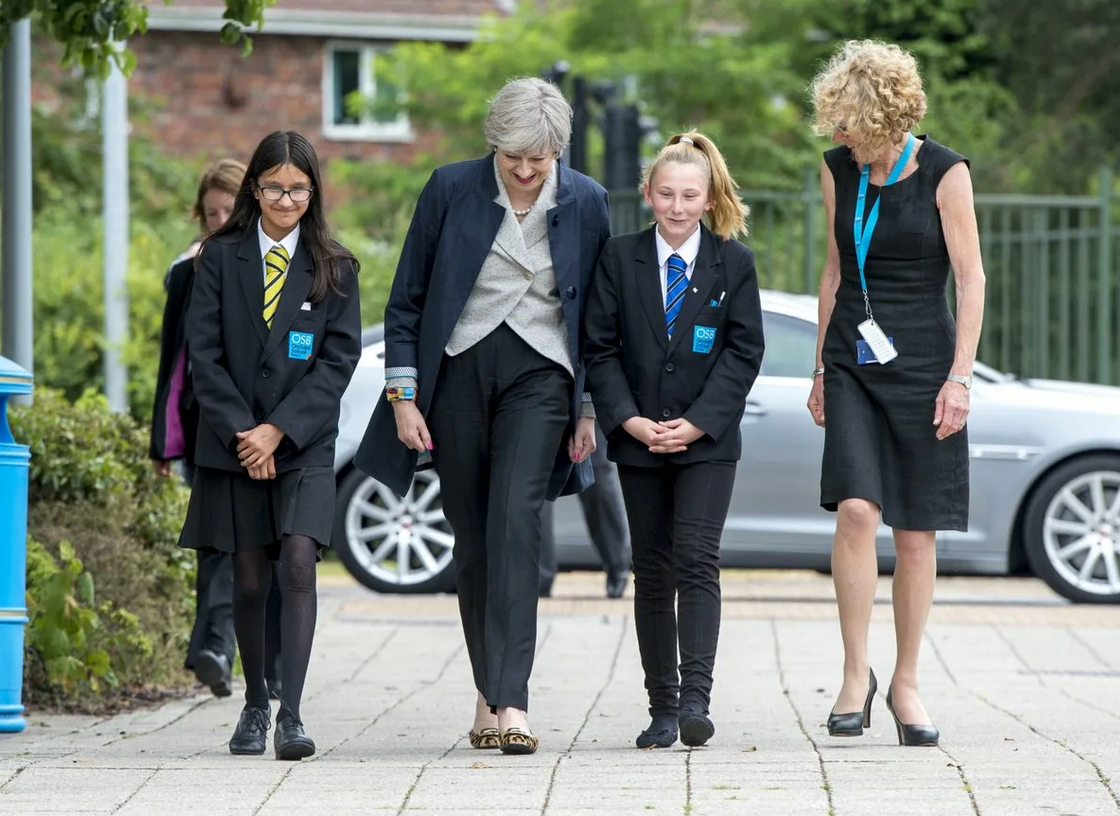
[
  {"x": 15, "y": 261},
  {"x": 114, "y": 127},
  {"x": 812, "y": 271},
  {"x": 1104, "y": 301}
]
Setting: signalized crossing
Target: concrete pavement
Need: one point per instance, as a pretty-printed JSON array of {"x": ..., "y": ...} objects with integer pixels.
[{"x": 1025, "y": 689}]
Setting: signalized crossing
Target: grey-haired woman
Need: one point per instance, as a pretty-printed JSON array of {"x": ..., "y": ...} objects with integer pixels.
[{"x": 484, "y": 376}]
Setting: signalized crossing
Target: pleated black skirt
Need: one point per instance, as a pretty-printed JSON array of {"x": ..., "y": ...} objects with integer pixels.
[{"x": 229, "y": 511}]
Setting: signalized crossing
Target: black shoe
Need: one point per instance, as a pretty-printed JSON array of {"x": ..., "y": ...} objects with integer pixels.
[
  {"x": 913, "y": 735},
  {"x": 696, "y": 728},
  {"x": 249, "y": 736},
  {"x": 662, "y": 732},
  {"x": 273, "y": 688},
  {"x": 290, "y": 742},
  {"x": 852, "y": 723},
  {"x": 212, "y": 669},
  {"x": 616, "y": 584}
]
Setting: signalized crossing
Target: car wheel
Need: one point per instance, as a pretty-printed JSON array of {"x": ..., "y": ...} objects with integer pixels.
[
  {"x": 392, "y": 544},
  {"x": 1072, "y": 529}
]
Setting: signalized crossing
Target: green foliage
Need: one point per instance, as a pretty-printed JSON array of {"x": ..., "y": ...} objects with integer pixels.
[
  {"x": 68, "y": 319},
  {"x": 90, "y": 29},
  {"x": 74, "y": 646},
  {"x": 106, "y": 520},
  {"x": 660, "y": 53}
]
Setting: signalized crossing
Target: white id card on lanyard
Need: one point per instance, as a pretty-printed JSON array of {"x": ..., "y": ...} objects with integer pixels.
[{"x": 875, "y": 347}]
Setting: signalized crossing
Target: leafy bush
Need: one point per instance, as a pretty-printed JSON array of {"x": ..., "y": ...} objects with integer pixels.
[
  {"x": 105, "y": 521},
  {"x": 69, "y": 314},
  {"x": 73, "y": 646}
]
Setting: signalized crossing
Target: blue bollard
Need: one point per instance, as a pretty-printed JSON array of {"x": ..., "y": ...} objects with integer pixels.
[{"x": 14, "y": 461}]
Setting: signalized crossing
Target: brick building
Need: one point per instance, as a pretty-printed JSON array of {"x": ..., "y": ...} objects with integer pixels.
[{"x": 202, "y": 98}]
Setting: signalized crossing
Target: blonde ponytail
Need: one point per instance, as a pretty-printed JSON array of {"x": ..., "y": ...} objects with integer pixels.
[{"x": 728, "y": 214}]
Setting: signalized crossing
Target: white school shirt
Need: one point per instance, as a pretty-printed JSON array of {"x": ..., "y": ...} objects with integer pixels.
[
  {"x": 688, "y": 252},
  {"x": 289, "y": 243}
]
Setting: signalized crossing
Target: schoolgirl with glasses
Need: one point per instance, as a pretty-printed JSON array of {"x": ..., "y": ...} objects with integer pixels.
[{"x": 274, "y": 333}]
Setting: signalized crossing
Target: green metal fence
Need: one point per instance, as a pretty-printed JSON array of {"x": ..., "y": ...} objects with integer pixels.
[{"x": 1052, "y": 264}]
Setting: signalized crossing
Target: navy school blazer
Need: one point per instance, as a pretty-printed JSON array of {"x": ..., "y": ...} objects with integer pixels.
[
  {"x": 703, "y": 374},
  {"x": 245, "y": 374},
  {"x": 452, "y": 230}
]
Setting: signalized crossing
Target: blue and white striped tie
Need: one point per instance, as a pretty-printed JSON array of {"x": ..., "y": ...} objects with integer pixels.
[{"x": 676, "y": 284}]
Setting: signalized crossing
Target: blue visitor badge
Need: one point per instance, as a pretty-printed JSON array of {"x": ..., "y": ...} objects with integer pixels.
[
  {"x": 703, "y": 338},
  {"x": 864, "y": 354},
  {"x": 300, "y": 345}
]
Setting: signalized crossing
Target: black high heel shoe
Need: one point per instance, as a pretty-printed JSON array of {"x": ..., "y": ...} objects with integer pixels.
[
  {"x": 852, "y": 723},
  {"x": 913, "y": 735}
]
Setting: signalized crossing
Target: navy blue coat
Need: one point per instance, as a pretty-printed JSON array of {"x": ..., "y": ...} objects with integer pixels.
[{"x": 452, "y": 230}]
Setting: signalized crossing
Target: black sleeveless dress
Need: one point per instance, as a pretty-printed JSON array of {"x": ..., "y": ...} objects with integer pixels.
[{"x": 880, "y": 442}]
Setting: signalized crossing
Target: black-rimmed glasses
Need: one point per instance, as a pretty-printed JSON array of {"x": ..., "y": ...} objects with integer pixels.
[{"x": 298, "y": 195}]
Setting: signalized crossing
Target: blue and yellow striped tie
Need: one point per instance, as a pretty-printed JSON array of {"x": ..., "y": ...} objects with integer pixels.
[
  {"x": 275, "y": 273},
  {"x": 676, "y": 282}
]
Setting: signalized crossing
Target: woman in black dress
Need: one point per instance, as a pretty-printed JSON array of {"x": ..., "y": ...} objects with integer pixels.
[
  {"x": 274, "y": 334},
  {"x": 895, "y": 444}
]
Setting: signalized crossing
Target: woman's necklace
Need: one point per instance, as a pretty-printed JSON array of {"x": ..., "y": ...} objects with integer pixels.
[{"x": 524, "y": 212}]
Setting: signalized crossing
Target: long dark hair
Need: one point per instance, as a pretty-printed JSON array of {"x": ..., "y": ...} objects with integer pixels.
[{"x": 327, "y": 255}]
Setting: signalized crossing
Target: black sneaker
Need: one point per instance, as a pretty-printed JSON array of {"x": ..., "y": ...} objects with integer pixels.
[
  {"x": 290, "y": 742},
  {"x": 250, "y": 735}
]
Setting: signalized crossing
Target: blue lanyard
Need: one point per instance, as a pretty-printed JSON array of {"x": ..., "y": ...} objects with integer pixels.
[{"x": 863, "y": 233}]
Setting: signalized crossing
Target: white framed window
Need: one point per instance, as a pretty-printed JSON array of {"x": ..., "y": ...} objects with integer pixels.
[{"x": 350, "y": 71}]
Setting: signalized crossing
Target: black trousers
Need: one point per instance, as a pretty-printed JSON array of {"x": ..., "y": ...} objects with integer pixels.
[
  {"x": 604, "y": 514},
  {"x": 213, "y": 613},
  {"x": 676, "y": 515},
  {"x": 498, "y": 418}
]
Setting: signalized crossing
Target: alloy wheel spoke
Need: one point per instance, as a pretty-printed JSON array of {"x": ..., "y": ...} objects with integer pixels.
[
  {"x": 1111, "y": 568},
  {"x": 431, "y": 490},
  {"x": 385, "y": 548},
  {"x": 424, "y": 554},
  {"x": 365, "y": 534},
  {"x": 1114, "y": 508},
  {"x": 1067, "y": 527},
  {"x": 1075, "y": 504},
  {"x": 372, "y": 510},
  {"x": 445, "y": 540},
  {"x": 1096, "y": 492},
  {"x": 1085, "y": 574},
  {"x": 404, "y": 551}
]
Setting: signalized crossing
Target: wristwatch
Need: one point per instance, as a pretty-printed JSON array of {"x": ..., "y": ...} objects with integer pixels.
[{"x": 957, "y": 378}]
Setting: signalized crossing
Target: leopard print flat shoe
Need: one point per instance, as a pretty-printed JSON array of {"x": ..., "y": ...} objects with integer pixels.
[
  {"x": 487, "y": 738},
  {"x": 516, "y": 741}
]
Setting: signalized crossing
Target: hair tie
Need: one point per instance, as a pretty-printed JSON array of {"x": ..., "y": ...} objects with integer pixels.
[{"x": 686, "y": 140}]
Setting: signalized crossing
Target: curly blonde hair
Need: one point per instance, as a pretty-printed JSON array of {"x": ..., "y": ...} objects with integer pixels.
[
  {"x": 728, "y": 216},
  {"x": 872, "y": 91}
]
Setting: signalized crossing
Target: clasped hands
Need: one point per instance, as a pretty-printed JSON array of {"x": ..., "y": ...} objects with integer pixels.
[
  {"x": 673, "y": 436},
  {"x": 255, "y": 449}
]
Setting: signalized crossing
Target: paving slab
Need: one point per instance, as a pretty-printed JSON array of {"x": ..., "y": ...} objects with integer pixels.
[{"x": 1024, "y": 686}]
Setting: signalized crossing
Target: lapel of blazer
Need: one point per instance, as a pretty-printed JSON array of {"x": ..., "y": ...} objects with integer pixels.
[
  {"x": 296, "y": 288},
  {"x": 511, "y": 239},
  {"x": 648, "y": 272},
  {"x": 480, "y": 220},
  {"x": 704, "y": 275},
  {"x": 250, "y": 271},
  {"x": 563, "y": 240}
]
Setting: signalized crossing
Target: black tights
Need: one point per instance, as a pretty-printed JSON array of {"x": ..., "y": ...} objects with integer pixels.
[{"x": 252, "y": 577}]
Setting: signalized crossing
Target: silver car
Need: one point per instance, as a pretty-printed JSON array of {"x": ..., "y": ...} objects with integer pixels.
[{"x": 1045, "y": 482}]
